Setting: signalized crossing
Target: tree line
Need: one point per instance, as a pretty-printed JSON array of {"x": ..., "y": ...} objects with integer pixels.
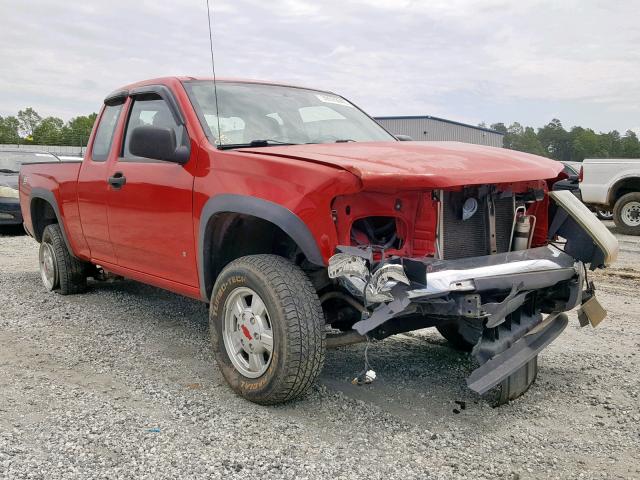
[
  {"x": 574, "y": 145},
  {"x": 552, "y": 140},
  {"x": 29, "y": 128}
]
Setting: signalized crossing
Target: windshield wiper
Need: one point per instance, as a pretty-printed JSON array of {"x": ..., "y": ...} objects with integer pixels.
[
  {"x": 344, "y": 140},
  {"x": 267, "y": 142},
  {"x": 8, "y": 170}
]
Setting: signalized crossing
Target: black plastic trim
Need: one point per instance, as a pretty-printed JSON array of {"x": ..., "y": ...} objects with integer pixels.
[
  {"x": 491, "y": 373},
  {"x": 48, "y": 196},
  {"x": 54, "y": 162},
  {"x": 166, "y": 94},
  {"x": 280, "y": 216},
  {"x": 114, "y": 98}
]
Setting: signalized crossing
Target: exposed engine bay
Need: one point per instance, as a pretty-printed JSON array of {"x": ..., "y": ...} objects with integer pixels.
[{"x": 492, "y": 275}]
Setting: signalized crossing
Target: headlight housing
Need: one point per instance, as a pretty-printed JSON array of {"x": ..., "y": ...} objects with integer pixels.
[{"x": 8, "y": 192}]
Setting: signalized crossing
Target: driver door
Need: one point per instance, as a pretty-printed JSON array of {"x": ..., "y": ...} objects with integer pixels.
[{"x": 150, "y": 202}]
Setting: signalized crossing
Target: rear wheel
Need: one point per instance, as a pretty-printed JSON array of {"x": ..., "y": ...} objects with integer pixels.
[
  {"x": 463, "y": 335},
  {"x": 626, "y": 213},
  {"x": 267, "y": 329},
  {"x": 60, "y": 271}
]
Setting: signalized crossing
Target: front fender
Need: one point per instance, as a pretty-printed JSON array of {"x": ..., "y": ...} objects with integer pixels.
[{"x": 280, "y": 216}]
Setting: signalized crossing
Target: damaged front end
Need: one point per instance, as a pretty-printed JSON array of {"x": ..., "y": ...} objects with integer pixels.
[{"x": 497, "y": 302}]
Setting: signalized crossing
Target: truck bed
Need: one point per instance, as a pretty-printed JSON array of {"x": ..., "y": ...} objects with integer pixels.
[{"x": 57, "y": 181}]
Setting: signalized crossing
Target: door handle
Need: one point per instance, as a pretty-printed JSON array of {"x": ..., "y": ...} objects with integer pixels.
[{"x": 117, "y": 180}]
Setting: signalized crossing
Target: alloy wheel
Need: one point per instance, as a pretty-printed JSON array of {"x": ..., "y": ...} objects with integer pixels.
[
  {"x": 47, "y": 260},
  {"x": 247, "y": 332}
]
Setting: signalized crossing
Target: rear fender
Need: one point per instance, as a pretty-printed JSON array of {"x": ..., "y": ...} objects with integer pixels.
[{"x": 50, "y": 198}]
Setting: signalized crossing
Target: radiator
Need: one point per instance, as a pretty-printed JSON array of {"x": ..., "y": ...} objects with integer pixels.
[{"x": 471, "y": 238}]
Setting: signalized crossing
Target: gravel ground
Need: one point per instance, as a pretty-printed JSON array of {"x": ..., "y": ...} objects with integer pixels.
[{"x": 120, "y": 382}]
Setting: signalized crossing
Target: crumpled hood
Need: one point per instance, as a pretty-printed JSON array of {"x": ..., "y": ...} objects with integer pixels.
[{"x": 384, "y": 165}]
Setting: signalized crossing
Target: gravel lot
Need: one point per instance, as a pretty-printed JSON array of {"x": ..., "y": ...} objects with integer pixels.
[{"x": 120, "y": 382}]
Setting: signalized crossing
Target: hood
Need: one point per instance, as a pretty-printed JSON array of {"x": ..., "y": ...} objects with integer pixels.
[{"x": 384, "y": 165}]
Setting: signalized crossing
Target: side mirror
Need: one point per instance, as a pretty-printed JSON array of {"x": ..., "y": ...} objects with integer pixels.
[
  {"x": 157, "y": 143},
  {"x": 404, "y": 138}
]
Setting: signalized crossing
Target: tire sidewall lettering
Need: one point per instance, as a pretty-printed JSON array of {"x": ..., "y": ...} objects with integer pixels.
[{"x": 221, "y": 293}]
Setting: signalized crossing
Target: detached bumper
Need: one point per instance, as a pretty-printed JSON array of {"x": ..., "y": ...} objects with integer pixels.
[
  {"x": 500, "y": 298},
  {"x": 472, "y": 285},
  {"x": 488, "y": 293},
  {"x": 455, "y": 288}
]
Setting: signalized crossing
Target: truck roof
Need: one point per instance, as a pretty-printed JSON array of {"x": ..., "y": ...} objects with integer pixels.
[{"x": 181, "y": 79}]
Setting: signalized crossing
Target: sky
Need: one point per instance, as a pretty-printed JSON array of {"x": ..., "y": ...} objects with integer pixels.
[{"x": 467, "y": 60}]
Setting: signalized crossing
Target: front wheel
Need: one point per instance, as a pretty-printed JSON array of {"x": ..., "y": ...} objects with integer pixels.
[
  {"x": 267, "y": 329},
  {"x": 464, "y": 333},
  {"x": 626, "y": 213}
]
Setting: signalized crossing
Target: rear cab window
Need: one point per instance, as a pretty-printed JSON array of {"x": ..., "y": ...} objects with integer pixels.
[{"x": 105, "y": 132}]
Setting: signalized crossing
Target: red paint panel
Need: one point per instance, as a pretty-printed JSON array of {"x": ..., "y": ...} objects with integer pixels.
[
  {"x": 416, "y": 219},
  {"x": 150, "y": 220},
  {"x": 148, "y": 230},
  {"x": 411, "y": 165},
  {"x": 59, "y": 178},
  {"x": 92, "y": 195}
]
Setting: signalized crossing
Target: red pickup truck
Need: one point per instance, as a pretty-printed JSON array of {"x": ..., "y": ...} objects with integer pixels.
[{"x": 304, "y": 224}]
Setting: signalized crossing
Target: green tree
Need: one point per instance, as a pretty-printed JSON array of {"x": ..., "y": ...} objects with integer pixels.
[
  {"x": 499, "y": 127},
  {"x": 584, "y": 143},
  {"x": 630, "y": 145},
  {"x": 48, "y": 132},
  {"x": 29, "y": 120},
  {"x": 77, "y": 130},
  {"x": 525, "y": 140},
  {"x": 611, "y": 144},
  {"x": 9, "y": 127},
  {"x": 555, "y": 140}
]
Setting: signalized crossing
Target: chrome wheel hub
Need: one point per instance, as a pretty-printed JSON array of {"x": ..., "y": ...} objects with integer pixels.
[
  {"x": 48, "y": 272},
  {"x": 606, "y": 214},
  {"x": 247, "y": 332},
  {"x": 630, "y": 214}
]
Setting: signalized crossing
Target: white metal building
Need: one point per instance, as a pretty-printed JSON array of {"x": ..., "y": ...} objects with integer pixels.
[{"x": 427, "y": 128}]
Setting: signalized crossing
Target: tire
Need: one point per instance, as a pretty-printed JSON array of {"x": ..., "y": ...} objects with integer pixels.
[
  {"x": 515, "y": 384},
  {"x": 626, "y": 213},
  {"x": 60, "y": 271},
  {"x": 289, "y": 312},
  {"x": 464, "y": 334},
  {"x": 604, "y": 214}
]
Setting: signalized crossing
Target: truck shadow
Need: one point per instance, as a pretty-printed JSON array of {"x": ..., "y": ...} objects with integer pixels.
[
  {"x": 418, "y": 375},
  {"x": 12, "y": 231}
]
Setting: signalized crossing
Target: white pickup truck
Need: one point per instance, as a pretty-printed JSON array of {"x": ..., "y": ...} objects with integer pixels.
[{"x": 614, "y": 183}]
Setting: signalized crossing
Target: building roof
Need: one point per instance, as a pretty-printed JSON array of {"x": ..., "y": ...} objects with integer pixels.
[{"x": 429, "y": 117}]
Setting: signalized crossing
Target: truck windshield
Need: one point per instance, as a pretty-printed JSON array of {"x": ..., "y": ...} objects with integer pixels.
[{"x": 260, "y": 115}]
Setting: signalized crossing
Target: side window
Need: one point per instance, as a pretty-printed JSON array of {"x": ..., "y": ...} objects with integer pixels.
[
  {"x": 104, "y": 134},
  {"x": 150, "y": 110}
]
